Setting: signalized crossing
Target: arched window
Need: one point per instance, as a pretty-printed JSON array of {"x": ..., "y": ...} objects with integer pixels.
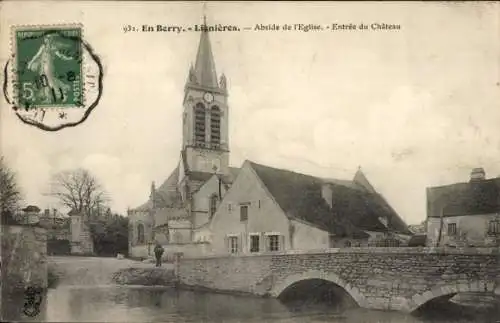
[
  {"x": 213, "y": 205},
  {"x": 140, "y": 233},
  {"x": 199, "y": 124},
  {"x": 215, "y": 126}
]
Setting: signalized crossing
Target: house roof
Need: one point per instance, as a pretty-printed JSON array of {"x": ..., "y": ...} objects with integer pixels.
[
  {"x": 300, "y": 198},
  {"x": 353, "y": 208},
  {"x": 472, "y": 198},
  {"x": 366, "y": 210},
  {"x": 31, "y": 208}
]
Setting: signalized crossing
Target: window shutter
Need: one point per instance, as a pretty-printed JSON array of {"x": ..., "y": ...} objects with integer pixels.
[
  {"x": 226, "y": 243},
  {"x": 282, "y": 243}
]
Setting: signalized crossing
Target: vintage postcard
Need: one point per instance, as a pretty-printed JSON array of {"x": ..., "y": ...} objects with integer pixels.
[{"x": 250, "y": 161}]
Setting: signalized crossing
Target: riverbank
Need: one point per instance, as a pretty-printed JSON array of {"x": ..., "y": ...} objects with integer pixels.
[{"x": 145, "y": 276}]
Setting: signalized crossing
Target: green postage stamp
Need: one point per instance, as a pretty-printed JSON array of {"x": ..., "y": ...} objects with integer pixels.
[
  {"x": 54, "y": 77},
  {"x": 49, "y": 68}
]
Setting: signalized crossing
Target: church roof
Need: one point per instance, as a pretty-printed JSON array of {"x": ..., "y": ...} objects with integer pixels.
[
  {"x": 353, "y": 207},
  {"x": 361, "y": 180},
  {"x": 229, "y": 178},
  {"x": 204, "y": 68},
  {"x": 300, "y": 197},
  {"x": 166, "y": 195}
]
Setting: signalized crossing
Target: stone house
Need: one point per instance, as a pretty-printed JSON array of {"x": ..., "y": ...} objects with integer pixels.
[
  {"x": 465, "y": 214},
  {"x": 269, "y": 209}
]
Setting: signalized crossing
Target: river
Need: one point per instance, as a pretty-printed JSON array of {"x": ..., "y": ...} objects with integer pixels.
[{"x": 110, "y": 303}]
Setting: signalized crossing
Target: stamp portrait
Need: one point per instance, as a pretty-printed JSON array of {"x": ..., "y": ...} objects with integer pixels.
[{"x": 49, "y": 68}]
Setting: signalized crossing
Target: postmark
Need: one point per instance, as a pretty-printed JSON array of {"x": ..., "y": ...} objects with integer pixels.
[
  {"x": 33, "y": 298},
  {"x": 53, "y": 79}
]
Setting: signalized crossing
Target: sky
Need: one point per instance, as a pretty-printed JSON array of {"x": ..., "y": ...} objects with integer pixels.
[{"x": 414, "y": 107}]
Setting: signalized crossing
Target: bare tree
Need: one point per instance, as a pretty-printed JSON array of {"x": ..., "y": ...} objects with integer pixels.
[
  {"x": 78, "y": 190},
  {"x": 10, "y": 195}
]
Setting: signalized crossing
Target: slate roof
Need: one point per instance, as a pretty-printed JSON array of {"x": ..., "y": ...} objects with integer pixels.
[
  {"x": 200, "y": 176},
  {"x": 472, "y": 198},
  {"x": 167, "y": 194},
  {"x": 364, "y": 209},
  {"x": 204, "y": 68},
  {"x": 353, "y": 207},
  {"x": 31, "y": 208},
  {"x": 300, "y": 197}
]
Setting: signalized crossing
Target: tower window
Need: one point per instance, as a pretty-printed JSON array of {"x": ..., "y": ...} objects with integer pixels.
[
  {"x": 215, "y": 126},
  {"x": 199, "y": 124},
  {"x": 213, "y": 205}
]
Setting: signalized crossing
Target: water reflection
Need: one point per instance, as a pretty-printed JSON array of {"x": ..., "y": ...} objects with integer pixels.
[{"x": 138, "y": 304}]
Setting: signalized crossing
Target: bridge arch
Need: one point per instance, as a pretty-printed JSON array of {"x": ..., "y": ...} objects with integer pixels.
[
  {"x": 289, "y": 280},
  {"x": 420, "y": 299}
]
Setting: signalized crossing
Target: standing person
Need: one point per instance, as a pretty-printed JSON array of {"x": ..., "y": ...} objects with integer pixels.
[{"x": 158, "y": 253}]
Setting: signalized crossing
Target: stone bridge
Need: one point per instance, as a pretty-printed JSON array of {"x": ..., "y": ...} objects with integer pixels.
[{"x": 401, "y": 279}]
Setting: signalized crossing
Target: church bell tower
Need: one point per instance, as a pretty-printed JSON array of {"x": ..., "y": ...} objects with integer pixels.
[{"x": 205, "y": 142}]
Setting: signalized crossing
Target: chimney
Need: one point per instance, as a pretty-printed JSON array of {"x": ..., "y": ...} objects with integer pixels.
[
  {"x": 327, "y": 193},
  {"x": 46, "y": 213},
  {"x": 477, "y": 174}
]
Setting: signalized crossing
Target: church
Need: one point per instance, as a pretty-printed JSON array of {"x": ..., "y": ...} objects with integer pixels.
[{"x": 180, "y": 212}]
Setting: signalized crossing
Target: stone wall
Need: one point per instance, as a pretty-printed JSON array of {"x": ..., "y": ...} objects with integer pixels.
[
  {"x": 188, "y": 250},
  {"x": 471, "y": 230},
  {"x": 24, "y": 250},
  {"x": 377, "y": 278}
]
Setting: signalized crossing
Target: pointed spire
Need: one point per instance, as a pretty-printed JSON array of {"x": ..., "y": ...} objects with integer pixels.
[
  {"x": 223, "y": 82},
  {"x": 153, "y": 191},
  {"x": 204, "y": 69},
  {"x": 192, "y": 75}
]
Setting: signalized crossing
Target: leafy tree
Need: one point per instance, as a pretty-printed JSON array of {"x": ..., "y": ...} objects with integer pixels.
[{"x": 110, "y": 234}]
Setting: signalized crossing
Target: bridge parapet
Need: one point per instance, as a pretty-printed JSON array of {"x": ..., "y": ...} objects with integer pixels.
[{"x": 378, "y": 278}]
